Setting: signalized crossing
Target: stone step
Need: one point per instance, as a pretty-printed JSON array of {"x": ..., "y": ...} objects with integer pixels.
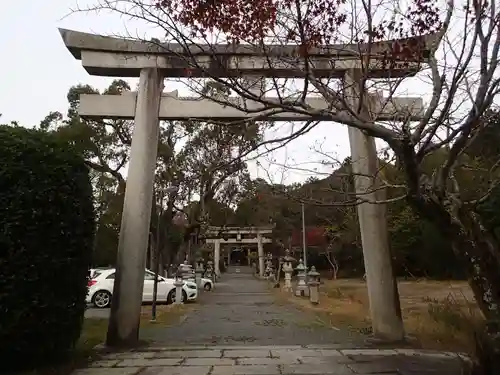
[{"x": 273, "y": 360}]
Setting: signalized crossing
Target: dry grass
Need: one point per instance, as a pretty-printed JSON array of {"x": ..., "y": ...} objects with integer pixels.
[
  {"x": 166, "y": 315},
  {"x": 439, "y": 315}
]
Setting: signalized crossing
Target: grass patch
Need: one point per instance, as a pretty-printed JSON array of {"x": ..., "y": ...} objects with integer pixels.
[
  {"x": 437, "y": 315},
  {"x": 94, "y": 332},
  {"x": 312, "y": 324},
  {"x": 166, "y": 315}
]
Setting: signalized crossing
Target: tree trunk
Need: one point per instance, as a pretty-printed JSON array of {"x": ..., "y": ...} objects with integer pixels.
[
  {"x": 476, "y": 249},
  {"x": 333, "y": 264}
]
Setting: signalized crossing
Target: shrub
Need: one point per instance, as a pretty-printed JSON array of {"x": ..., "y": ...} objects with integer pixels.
[{"x": 46, "y": 236}]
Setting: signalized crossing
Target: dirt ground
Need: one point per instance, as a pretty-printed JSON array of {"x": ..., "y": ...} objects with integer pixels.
[{"x": 437, "y": 314}]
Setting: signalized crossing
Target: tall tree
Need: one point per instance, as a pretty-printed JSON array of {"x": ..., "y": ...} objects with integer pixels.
[
  {"x": 104, "y": 144},
  {"x": 213, "y": 163},
  {"x": 199, "y": 159}
]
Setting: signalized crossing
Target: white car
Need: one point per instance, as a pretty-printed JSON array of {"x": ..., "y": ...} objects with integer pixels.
[
  {"x": 102, "y": 281},
  {"x": 205, "y": 283}
]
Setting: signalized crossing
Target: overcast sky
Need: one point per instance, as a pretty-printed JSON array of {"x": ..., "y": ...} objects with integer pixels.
[{"x": 36, "y": 71}]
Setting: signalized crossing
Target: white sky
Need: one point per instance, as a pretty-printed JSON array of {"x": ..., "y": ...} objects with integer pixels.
[{"x": 36, "y": 71}]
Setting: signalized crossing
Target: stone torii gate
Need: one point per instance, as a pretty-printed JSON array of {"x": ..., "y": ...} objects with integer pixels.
[
  {"x": 238, "y": 234},
  {"x": 115, "y": 57}
]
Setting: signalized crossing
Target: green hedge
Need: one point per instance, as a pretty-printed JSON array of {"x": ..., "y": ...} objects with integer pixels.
[{"x": 46, "y": 236}]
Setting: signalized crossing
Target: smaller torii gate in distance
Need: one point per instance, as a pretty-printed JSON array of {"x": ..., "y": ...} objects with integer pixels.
[{"x": 239, "y": 236}]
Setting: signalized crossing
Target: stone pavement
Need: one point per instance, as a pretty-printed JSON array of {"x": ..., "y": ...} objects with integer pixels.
[
  {"x": 274, "y": 360},
  {"x": 242, "y": 310},
  {"x": 239, "y": 329}
]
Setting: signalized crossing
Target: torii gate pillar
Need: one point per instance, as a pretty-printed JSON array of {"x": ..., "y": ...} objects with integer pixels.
[
  {"x": 385, "y": 309},
  {"x": 217, "y": 257},
  {"x": 260, "y": 253},
  {"x": 134, "y": 231}
]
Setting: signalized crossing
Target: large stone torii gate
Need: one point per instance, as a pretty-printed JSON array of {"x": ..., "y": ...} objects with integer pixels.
[{"x": 115, "y": 57}]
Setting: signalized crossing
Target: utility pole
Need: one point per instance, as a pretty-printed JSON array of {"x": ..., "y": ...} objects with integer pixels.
[
  {"x": 157, "y": 257},
  {"x": 171, "y": 189},
  {"x": 188, "y": 252},
  {"x": 304, "y": 248}
]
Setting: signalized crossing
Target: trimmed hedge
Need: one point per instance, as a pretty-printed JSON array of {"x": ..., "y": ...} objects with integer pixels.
[{"x": 46, "y": 236}]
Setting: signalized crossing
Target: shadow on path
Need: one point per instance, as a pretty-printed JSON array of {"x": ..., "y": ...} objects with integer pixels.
[{"x": 242, "y": 311}]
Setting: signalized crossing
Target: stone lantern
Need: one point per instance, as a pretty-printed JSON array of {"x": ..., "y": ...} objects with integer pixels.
[
  {"x": 313, "y": 285},
  {"x": 288, "y": 270},
  {"x": 187, "y": 271},
  {"x": 269, "y": 266},
  {"x": 210, "y": 270},
  {"x": 199, "y": 268},
  {"x": 270, "y": 274},
  {"x": 178, "y": 283},
  {"x": 302, "y": 288}
]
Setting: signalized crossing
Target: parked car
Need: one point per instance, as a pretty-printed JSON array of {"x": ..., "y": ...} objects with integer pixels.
[
  {"x": 205, "y": 283},
  {"x": 101, "y": 284}
]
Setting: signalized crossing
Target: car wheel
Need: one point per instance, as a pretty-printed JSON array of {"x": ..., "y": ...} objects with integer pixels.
[
  {"x": 171, "y": 296},
  {"x": 207, "y": 287},
  {"x": 101, "y": 299}
]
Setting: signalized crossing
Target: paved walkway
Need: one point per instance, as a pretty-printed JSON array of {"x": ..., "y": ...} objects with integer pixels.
[
  {"x": 241, "y": 310},
  {"x": 239, "y": 329}
]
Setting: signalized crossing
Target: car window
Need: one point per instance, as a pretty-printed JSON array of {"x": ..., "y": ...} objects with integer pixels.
[
  {"x": 94, "y": 274},
  {"x": 111, "y": 276},
  {"x": 149, "y": 276}
]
